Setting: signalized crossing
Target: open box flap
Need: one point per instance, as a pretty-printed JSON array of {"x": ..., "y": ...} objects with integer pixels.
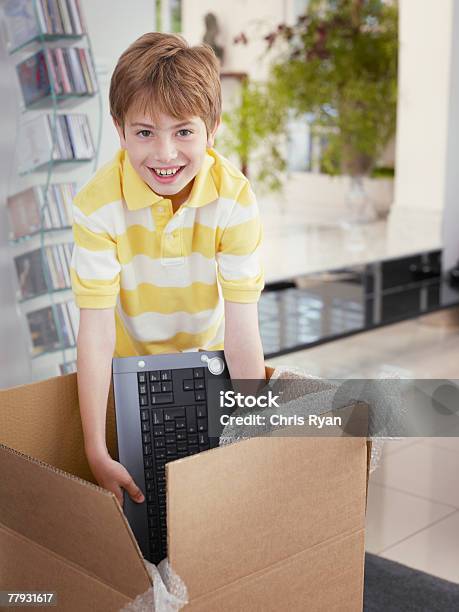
[
  {"x": 43, "y": 421},
  {"x": 220, "y": 505},
  {"x": 25, "y": 564},
  {"x": 71, "y": 518}
]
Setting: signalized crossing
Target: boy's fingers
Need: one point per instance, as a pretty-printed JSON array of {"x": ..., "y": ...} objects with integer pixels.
[{"x": 134, "y": 491}]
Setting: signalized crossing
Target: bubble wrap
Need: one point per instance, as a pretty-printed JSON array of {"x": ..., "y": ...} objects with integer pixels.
[
  {"x": 312, "y": 395},
  {"x": 168, "y": 593}
]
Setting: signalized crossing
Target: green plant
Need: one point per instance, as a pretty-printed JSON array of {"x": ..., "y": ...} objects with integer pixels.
[
  {"x": 339, "y": 64},
  {"x": 253, "y": 131}
]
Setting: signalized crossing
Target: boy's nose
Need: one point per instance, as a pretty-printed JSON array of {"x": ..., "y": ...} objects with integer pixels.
[{"x": 165, "y": 152}]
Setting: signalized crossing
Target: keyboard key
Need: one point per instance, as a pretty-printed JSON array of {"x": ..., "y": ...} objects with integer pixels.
[
  {"x": 162, "y": 490},
  {"x": 144, "y": 415},
  {"x": 180, "y": 423},
  {"x": 158, "y": 430},
  {"x": 192, "y": 450},
  {"x": 161, "y": 478},
  {"x": 171, "y": 451},
  {"x": 162, "y": 500},
  {"x": 202, "y": 425},
  {"x": 151, "y": 510},
  {"x": 155, "y": 376},
  {"x": 199, "y": 383},
  {"x": 145, "y": 426},
  {"x": 147, "y": 449},
  {"x": 193, "y": 439},
  {"x": 154, "y": 534},
  {"x": 153, "y": 519},
  {"x": 160, "y": 442},
  {"x": 198, "y": 372},
  {"x": 173, "y": 413},
  {"x": 142, "y": 389},
  {"x": 158, "y": 417},
  {"x": 166, "y": 387},
  {"x": 181, "y": 446},
  {"x": 160, "y": 453},
  {"x": 182, "y": 454},
  {"x": 200, "y": 396},
  {"x": 146, "y": 438},
  {"x": 142, "y": 377},
  {"x": 150, "y": 485},
  {"x": 203, "y": 439},
  {"x": 166, "y": 375},
  {"x": 143, "y": 400},
  {"x": 149, "y": 474},
  {"x": 180, "y": 435},
  {"x": 192, "y": 426},
  {"x": 188, "y": 385},
  {"x": 148, "y": 462},
  {"x": 150, "y": 498},
  {"x": 169, "y": 427},
  {"x": 162, "y": 398},
  {"x": 155, "y": 387},
  {"x": 201, "y": 411},
  {"x": 170, "y": 439}
]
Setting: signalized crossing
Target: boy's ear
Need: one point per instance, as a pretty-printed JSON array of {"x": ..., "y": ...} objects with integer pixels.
[
  {"x": 211, "y": 135},
  {"x": 120, "y": 131}
]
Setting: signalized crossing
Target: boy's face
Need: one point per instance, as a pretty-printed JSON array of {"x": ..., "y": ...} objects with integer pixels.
[{"x": 166, "y": 145}]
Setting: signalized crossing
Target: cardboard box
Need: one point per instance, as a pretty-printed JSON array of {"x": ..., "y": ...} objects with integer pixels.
[{"x": 264, "y": 524}]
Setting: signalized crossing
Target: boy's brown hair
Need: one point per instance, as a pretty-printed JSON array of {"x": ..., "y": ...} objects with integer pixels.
[{"x": 162, "y": 73}]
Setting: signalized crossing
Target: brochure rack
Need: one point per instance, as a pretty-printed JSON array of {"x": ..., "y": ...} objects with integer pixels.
[{"x": 51, "y": 52}]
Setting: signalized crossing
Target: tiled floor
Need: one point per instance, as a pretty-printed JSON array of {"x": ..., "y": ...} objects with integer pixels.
[{"x": 413, "y": 499}]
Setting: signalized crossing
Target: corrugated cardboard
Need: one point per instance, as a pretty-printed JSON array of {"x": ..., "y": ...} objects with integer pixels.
[{"x": 264, "y": 524}]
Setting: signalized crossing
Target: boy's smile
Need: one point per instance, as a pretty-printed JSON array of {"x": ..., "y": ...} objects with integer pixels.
[{"x": 167, "y": 153}]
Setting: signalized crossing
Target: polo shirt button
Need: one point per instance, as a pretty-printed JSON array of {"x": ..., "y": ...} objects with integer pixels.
[{"x": 160, "y": 209}]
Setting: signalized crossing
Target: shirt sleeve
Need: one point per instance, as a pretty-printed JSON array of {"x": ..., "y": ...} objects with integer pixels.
[
  {"x": 95, "y": 269},
  {"x": 239, "y": 269}
]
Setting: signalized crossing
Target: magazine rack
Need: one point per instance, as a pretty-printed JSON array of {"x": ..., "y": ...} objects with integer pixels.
[{"x": 53, "y": 60}]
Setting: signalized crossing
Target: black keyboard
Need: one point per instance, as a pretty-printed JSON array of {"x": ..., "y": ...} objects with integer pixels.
[{"x": 172, "y": 421}]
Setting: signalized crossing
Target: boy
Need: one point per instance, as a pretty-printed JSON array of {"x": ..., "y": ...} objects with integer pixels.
[{"x": 166, "y": 236}]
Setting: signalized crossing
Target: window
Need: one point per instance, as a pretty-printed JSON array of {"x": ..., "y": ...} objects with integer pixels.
[{"x": 169, "y": 15}]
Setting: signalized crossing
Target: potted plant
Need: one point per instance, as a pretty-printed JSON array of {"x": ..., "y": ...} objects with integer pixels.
[{"x": 338, "y": 63}]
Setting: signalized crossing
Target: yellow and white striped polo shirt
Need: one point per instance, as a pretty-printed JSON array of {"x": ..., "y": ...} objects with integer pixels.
[{"x": 166, "y": 274}]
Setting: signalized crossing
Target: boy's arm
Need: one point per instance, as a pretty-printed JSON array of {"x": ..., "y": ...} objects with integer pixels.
[
  {"x": 240, "y": 275},
  {"x": 243, "y": 348},
  {"x": 95, "y": 346}
]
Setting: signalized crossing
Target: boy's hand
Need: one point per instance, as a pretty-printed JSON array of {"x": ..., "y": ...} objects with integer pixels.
[{"x": 114, "y": 477}]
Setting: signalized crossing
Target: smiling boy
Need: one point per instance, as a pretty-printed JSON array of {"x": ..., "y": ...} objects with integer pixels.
[{"x": 166, "y": 236}]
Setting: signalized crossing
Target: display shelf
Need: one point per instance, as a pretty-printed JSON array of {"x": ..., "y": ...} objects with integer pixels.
[
  {"x": 58, "y": 74},
  {"x": 55, "y": 163},
  {"x": 46, "y": 38},
  {"x": 33, "y": 302},
  {"x": 52, "y": 232},
  {"x": 69, "y": 354},
  {"x": 62, "y": 100}
]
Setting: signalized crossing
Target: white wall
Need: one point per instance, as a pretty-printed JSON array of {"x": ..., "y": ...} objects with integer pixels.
[
  {"x": 427, "y": 146},
  {"x": 424, "y": 88}
]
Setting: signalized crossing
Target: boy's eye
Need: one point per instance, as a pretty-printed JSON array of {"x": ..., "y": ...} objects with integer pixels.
[
  {"x": 144, "y": 133},
  {"x": 184, "y": 132}
]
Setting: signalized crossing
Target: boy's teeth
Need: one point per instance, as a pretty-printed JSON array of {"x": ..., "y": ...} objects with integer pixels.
[{"x": 165, "y": 172}]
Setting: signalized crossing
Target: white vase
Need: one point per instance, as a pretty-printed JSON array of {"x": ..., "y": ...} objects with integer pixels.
[{"x": 359, "y": 207}]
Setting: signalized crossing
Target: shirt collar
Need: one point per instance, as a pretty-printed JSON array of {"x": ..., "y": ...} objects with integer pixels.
[{"x": 138, "y": 194}]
